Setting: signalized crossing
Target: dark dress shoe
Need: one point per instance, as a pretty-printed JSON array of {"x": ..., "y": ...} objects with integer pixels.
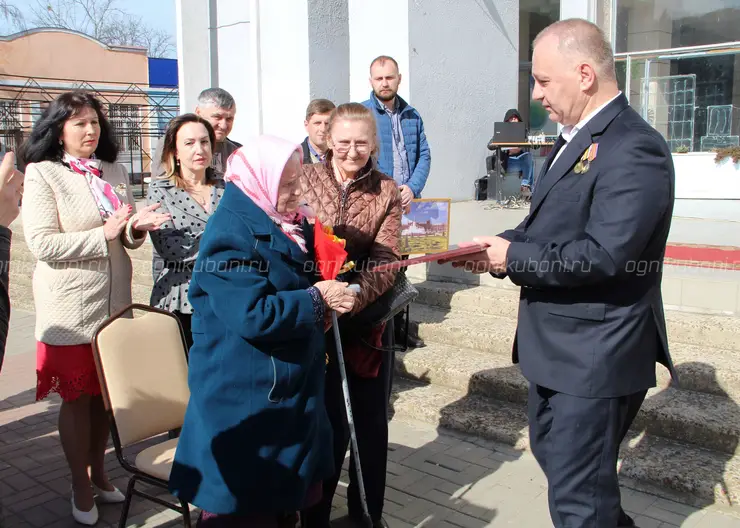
[
  {"x": 416, "y": 342},
  {"x": 625, "y": 521},
  {"x": 380, "y": 523}
]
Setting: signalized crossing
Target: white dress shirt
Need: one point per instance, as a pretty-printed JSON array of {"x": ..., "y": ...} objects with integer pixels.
[{"x": 569, "y": 132}]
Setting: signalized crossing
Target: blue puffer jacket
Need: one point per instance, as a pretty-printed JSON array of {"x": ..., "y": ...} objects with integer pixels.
[{"x": 417, "y": 148}]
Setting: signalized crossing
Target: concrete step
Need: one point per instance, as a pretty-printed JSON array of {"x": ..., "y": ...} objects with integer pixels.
[
  {"x": 464, "y": 305},
  {"x": 706, "y": 420},
  {"x": 701, "y": 369},
  {"x": 652, "y": 460}
]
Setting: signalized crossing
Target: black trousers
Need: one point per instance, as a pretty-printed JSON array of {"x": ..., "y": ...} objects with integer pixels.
[
  {"x": 370, "y": 398},
  {"x": 576, "y": 443},
  {"x": 185, "y": 321}
]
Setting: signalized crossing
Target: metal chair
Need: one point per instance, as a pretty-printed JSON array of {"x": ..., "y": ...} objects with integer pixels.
[{"x": 143, "y": 375}]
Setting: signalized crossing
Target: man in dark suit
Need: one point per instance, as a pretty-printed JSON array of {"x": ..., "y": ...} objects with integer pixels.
[{"x": 588, "y": 258}]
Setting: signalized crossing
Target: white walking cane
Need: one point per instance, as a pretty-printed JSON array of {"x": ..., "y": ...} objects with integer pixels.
[{"x": 350, "y": 420}]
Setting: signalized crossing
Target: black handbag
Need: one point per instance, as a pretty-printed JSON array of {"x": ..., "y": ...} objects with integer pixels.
[{"x": 392, "y": 302}]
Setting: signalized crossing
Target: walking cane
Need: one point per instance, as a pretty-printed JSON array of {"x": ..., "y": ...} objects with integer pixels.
[{"x": 350, "y": 420}]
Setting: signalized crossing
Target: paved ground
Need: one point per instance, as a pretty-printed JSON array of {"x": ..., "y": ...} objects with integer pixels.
[{"x": 435, "y": 478}]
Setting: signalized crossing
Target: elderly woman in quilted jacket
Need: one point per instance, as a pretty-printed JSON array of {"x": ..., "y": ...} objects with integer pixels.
[
  {"x": 364, "y": 207},
  {"x": 79, "y": 219}
]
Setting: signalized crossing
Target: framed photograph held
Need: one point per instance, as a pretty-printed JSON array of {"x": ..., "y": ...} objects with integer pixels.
[{"x": 425, "y": 229}]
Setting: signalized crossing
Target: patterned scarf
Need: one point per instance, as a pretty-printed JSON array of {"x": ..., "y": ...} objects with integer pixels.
[
  {"x": 256, "y": 169},
  {"x": 106, "y": 198}
]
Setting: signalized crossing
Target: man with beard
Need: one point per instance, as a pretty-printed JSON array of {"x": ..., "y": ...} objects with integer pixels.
[
  {"x": 317, "y": 117},
  {"x": 403, "y": 149},
  {"x": 218, "y": 107}
]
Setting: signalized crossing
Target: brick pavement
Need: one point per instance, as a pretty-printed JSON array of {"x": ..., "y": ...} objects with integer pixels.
[{"x": 435, "y": 478}]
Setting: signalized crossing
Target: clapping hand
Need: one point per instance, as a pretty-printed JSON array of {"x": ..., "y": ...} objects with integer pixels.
[
  {"x": 116, "y": 222},
  {"x": 11, "y": 190},
  {"x": 148, "y": 219}
]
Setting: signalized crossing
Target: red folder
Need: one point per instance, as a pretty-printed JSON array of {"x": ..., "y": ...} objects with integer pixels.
[{"x": 432, "y": 257}]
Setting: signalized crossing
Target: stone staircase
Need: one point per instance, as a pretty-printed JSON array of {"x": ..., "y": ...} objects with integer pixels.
[{"x": 685, "y": 440}]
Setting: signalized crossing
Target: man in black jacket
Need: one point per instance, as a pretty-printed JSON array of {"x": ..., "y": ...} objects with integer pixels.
[
  {"x": 11, "y": 192},
  {"x": 588, "y": 258},
  {"x": 317, "y": 118}
]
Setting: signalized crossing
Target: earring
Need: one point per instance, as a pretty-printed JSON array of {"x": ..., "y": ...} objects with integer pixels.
[{"x": 61, "y": 142}]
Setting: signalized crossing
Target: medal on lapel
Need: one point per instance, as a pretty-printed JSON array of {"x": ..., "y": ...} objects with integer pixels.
[{"x": 585, "y": 162}]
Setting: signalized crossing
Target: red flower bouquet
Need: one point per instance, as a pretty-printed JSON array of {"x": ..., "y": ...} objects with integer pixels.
[{"x": 330, "y": 252}]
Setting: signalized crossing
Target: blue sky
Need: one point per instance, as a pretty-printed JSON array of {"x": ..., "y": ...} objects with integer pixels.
[
  {"x": 423, "y": 211},
  {"x": 157, "y": 13}
]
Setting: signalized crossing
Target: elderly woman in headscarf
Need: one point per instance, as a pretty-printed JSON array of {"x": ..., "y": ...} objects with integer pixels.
[{"x": 257, "y": 442}]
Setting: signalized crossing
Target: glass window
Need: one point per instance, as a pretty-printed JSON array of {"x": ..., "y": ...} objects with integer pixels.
[
  {"x": 644, "y": 25},
  {"x": 691, "y": 96},
  {"x": 534, "y": 16},
  {"x": 692, "y": 99}
]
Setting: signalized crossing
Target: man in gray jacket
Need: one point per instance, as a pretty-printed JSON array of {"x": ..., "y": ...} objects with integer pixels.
[
  {"x": 218, "y": 107},
  {"x": 11, "y": 192}
]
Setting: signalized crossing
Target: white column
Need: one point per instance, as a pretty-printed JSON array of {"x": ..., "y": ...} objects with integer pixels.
[
  {"x": 235, "y": 66},
  {"x": 193, "y": 51},
  {"x": 272, "y": 56},
  {"x": 284, "y": 67},
  {"x": 380, "y": 27},
  {"x": 328, "y": 50},
  {"x": 463, "y": 73},
  {"x": 586, "y": 9}
]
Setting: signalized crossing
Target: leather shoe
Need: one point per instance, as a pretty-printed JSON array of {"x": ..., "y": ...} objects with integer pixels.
[
  {"x": 358, "y": 519},
  {"x": 625, "y": 521},
  {"x": 88, "y": 518},
  {"x": 415, "y": 342}
]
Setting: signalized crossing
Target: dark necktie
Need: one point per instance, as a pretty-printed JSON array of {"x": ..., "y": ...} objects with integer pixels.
[{"x": 559, "y": 143}]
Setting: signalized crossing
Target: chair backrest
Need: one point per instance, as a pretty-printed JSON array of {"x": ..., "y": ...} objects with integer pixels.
[{"x": 143, "y": 373}]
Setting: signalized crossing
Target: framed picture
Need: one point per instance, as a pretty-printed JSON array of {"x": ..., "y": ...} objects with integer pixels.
[{"x": 425, "y": 229}]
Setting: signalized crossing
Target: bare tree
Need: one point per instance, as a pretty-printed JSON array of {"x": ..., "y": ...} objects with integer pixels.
[
  {"x": 105, "y": 21},
  {"x": 132, "y": 31},
  {"x": 12, "y": 15}
]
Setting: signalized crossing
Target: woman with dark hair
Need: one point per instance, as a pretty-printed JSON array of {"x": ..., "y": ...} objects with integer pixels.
[
  {"x": 189, "y": 192},
  {"x": 78, "y": 218}
]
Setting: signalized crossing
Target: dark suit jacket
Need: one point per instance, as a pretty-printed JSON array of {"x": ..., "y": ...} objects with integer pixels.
[
  {"x": 589, "y": 260},
  {"x": 5, "y": 236}
]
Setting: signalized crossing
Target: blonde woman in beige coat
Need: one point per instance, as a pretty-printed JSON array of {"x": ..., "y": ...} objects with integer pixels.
[{"x": 79, "y": 220}]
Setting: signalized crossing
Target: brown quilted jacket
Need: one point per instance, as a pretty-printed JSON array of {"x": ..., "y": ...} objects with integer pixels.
[{"x": 367, "y": 214}]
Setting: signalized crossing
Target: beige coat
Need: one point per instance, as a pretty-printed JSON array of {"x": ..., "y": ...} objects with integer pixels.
[{"x": 80, "y": 278}]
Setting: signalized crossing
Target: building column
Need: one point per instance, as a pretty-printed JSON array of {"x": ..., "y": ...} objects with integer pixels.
[
  {"x": 193, "y": 51},
  {"x": 459, "y": 63},
  {"x": 273, "y": 57},
  {"x": 586, "y": 9}
]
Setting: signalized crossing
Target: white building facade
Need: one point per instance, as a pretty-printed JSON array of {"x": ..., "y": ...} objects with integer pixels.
[{"x": 464, "y": 63}]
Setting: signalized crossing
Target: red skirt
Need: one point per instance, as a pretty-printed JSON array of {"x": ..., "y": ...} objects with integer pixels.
[{"x": 68, "y": 370}]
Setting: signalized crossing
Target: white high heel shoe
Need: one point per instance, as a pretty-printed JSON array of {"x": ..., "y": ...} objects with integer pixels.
[
  {"x": 109, "y": 497},
  {"x": 88, "y": 518}
]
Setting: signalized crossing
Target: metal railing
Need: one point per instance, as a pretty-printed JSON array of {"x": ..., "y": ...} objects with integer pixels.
[{"x": 138, "y": 114}]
